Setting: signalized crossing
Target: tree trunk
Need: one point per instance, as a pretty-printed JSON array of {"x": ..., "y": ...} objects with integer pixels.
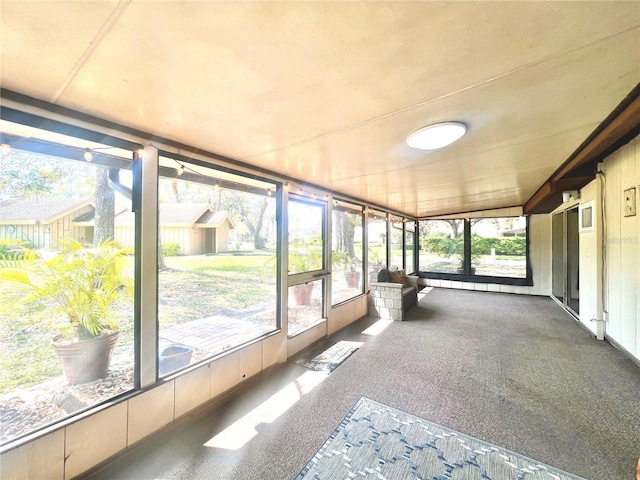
[
  {"x": 345, "y": 232},
  {"x": 455, "y": 225},
  {"x": 254, "y": 225},
  {"x": 174, "y": 188},
  {"x": 105, "y": 208},
  {"x": 258, "y": 241},
  {"x": 161, "y": 264}
]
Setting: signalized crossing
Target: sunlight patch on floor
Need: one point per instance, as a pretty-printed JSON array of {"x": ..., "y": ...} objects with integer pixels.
[
  {"x": 243, "y": 430},
  {"x": 377, "y": 327},
  {"x": 424, "y": 292}
]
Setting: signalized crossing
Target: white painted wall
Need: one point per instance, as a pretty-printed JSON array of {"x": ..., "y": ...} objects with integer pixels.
[
  {"x": 622, "y": 171},
  {"x": 591, "y": 262}
]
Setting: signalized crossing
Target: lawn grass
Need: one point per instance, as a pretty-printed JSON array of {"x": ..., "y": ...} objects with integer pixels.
[
  {"x": 197, "y": 287},
  {"x": 190, "y": 288}
]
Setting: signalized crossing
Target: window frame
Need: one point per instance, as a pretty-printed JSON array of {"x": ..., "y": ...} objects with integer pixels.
[
  {"x": 467, "y": 276},
  {"x": 409, "y": 269},
  {"x": 73, "y": 153},
  {"x": 322, "y": 274},
  {"x": 171, "y": 172},
  {"x": 359, "y": 210}
]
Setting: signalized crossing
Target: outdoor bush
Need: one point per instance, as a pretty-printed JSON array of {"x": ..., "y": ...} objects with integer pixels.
[
  {"x": 503, "y": 245},
  {"x": 13, "y": 248},
  {"x": 170, "y": 249},
  {"x": 483, "y": 245},
  {"x": 443, "y": 245},
  {"x": 512, "y": 246},
  {"x": 446, "y": 246}
]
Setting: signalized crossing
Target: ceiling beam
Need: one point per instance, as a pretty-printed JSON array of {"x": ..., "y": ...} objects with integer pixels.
[{"x": 619, "y": 128}]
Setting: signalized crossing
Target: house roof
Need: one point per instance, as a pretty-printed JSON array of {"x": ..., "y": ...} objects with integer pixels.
[
  {"x": 215, "y": 219},
  {"x": 39, "y": 210},
  {"x": 514, "y": 231},
  {"x": 181, "y": 215}
]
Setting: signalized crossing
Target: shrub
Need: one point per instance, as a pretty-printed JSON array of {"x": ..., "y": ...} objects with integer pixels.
[
  {"x": 443, "y": 245},
  {"x": 13, "y": 248},
  {"x": 170, "y": 249},
  {"x": 503, "y": 245},
  {"x": 512, "y": 246}
]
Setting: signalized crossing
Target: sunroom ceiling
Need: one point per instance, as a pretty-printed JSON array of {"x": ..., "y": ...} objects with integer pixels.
[{"x": 327, "y": 92}]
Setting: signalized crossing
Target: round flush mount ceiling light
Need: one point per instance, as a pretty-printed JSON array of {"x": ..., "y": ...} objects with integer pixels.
[{"x": 436, "y": 136}]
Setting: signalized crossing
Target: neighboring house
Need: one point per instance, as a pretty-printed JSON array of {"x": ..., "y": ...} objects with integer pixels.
[
  {"x": 195, "y": 227},
  {"x": 514, "y": 232},
  {"x": 43, "y": 221}
]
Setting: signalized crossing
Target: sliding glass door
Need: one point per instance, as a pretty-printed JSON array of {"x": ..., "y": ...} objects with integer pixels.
[{"x": 566, "y": 262}]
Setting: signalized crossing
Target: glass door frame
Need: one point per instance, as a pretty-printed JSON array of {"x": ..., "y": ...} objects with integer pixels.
[
  {"x": 565, "y": 265},
  {"x": 306, "y": 277}
]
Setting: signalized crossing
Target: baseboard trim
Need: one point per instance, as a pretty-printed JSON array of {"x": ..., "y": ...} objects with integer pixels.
[{"x": 626, "y": 352}]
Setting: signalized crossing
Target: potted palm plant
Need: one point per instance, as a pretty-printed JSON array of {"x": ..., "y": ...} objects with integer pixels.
[
  {"x": 305, "y": 255},
  {"x": 80, "y": 283}
]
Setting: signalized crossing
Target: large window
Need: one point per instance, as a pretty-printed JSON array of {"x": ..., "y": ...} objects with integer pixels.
[
  {"x": 486, "y": 249},
  {"x": 409, "y": 239},
  {"x": 397, "y": 244},
  {"x": 217, "y": 264},
  {"x": 377, "y": 242},
  {"x": 307, "y": 272},
  {"x": 499, "y": 247},
  {"x": 347, "y": 252},
  {"x": 442, "y": 246},
  {"x": 66, "y": 276}
]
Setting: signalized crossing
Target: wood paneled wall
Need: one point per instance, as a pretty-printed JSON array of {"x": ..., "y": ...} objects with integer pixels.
[{"x": 622, "y": 302}]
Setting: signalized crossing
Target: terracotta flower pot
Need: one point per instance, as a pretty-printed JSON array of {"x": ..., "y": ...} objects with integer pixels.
[
  {"x": 302, "y": 293},
  {"x": 87, "y": 360},
  {"x": 353, "y": 279}
]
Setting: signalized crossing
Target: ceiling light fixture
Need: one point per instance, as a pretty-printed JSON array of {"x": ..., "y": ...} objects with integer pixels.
[{"x": 436, "y": 136}]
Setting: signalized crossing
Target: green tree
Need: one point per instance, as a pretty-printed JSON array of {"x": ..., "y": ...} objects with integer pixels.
[
  {"x": 250, "y": 209},
  {"x": 26, "y": 174}
]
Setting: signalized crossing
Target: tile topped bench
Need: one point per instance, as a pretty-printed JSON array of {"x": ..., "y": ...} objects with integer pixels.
[{"x": 391, "y": 299}]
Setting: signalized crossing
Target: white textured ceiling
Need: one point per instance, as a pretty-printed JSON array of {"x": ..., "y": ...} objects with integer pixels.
[{"x": 326, "y": 92}]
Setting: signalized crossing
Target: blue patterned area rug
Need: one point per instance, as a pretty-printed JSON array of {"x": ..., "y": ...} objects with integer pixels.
[{"x": 376, "y": 442}]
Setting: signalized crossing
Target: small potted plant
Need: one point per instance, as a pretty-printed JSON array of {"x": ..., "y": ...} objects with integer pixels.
[
  {"x": 375, "y": 262},
  {"x": 80, "y": 283},
  {"x": 342, "y": 260}
]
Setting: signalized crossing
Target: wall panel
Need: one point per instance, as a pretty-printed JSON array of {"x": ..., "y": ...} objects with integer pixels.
[
  {"x": 41, "y": 459},
  {"x": 589, "y": 263},
  {"x": 192, "y": 390},
  {"x": 623, "y": 249},
  {"x": 629, "y": 253},
  {"x": 150, "y": 411},
  {"x": 95, "y": 439},
  {"x": 224, "y": 374}
]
